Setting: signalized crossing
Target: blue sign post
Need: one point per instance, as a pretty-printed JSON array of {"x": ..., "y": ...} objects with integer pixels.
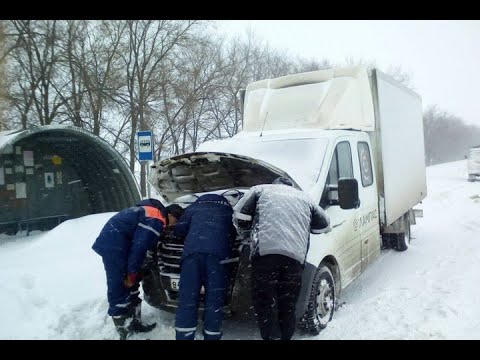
[
  {"x": 145, "y": 151},
  {"x": 145, "y": 145}
]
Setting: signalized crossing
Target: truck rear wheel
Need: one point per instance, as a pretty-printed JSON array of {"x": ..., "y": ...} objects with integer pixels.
[
  {"x": 403, "y": 239},
  {"x": 321, "y": 304}
]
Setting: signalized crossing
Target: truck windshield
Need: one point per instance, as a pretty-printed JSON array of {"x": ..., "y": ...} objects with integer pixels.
[{"x": 301, "y": 158}]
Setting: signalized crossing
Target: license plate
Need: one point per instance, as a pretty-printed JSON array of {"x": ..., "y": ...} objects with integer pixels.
[{"x": 175, "y": 285}]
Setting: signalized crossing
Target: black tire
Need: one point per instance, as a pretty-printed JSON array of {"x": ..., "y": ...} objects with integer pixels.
[
  {"x": 321, "y": 303},
  {"x": 403, "y": 239},
  {"x": 388, "y": 241}
]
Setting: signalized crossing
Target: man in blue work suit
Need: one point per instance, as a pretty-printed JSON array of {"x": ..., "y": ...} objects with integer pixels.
[
  {"x": 123, "y": 244},
  {"x": 210, "y": 233}
]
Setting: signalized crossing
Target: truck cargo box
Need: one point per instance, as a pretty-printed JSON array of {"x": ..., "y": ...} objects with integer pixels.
[{"x": 398, "y": 147}]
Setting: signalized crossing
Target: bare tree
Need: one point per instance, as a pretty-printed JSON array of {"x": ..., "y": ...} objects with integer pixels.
[
  {"x": 447, "y": 137},
  {"x": 305, "y": 65},
  {"x": 70, "y": 63},
  {"x": 19, "y": 97},
  {"x": 403, "y": 77},
  {"x": 148, "y": 44},
  {"x": 115, "y": 78},
  {"x": 396, "y": 72},
  {"x": 93, "y": 70},
  {"x": 19, "y": 80},
  {"x": 37, "y": 57},
  {"x": 3, "y": 82},
  {"x": 101, "y": 72}
]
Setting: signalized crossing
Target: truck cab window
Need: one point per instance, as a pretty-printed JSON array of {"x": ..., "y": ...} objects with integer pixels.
[
  {"x": 340, "y": 166},
  {"x": 365, "y": 163}
]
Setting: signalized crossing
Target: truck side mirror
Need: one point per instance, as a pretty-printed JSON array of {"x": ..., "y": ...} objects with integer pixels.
[{"x": 348, "y": 193}]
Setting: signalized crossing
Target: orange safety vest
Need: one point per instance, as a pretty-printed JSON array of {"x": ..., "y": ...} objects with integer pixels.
[{"x": 153, "y": 212}]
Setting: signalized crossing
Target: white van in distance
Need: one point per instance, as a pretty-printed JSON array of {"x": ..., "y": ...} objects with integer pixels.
[{"x": 473, "y": 163}]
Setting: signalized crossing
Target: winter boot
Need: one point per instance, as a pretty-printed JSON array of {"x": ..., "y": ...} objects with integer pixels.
[
  {"x": 136, "y": 325},
  {"x": 122, "y": 324}
]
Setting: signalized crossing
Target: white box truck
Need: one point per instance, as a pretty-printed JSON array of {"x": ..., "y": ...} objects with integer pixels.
[
  {"x": 352, "y": 140},
  {"x": 473, "y": 163}
]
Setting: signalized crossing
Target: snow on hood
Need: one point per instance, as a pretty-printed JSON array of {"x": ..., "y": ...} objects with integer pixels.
[{"x": 301, "y": 157}]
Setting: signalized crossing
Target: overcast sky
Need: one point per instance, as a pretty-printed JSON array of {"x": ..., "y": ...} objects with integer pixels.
[{"x": 443, "y": 57}]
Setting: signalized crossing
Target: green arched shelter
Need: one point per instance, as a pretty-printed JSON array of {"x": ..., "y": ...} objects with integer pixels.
[{"x": 52, "y": 173}]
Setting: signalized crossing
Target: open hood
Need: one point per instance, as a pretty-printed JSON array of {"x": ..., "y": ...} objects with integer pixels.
[{"x": 210, "y": 171}]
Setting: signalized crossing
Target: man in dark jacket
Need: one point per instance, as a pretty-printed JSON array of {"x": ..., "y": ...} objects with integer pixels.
[
  {"x": 123, "y": 244},
  {"x": 207, "y": 225},
  {"x": 283, "y": 218}
]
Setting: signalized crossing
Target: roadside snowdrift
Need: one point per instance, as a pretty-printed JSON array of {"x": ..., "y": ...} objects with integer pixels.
[{"x": 53, "y": 284}]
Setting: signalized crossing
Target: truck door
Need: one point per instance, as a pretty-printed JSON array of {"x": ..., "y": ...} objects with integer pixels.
[
  {"x": 347, "y": 242},
  {"x": 366, "y": 224}
]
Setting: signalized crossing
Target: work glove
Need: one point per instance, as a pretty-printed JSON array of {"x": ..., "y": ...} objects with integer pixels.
[{"x": 131, "y": 279}]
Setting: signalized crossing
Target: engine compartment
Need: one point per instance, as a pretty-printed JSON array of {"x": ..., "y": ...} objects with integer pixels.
[{"x": 161, "y": 270}]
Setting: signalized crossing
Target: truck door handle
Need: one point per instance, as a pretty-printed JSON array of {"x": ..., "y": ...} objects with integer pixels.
[
  {"x": 334, "y": 226},
  {"x": 366, "y": 241}
]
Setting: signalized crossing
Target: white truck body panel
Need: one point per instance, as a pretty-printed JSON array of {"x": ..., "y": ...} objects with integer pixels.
[{"x": 398, "y": 147}]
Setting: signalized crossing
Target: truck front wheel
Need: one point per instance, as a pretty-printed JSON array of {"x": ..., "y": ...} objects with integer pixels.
[{"x": 321, "y": 304}]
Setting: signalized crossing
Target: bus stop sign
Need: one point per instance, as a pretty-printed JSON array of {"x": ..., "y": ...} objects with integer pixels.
[{"x": 145, "y": 145}]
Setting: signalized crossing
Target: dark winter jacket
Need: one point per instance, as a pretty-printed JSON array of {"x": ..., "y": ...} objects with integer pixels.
[
  {"x": 282, "y": 218},
  {"x": 132, "y": 232},
  {"x": 208, "y": 227}
]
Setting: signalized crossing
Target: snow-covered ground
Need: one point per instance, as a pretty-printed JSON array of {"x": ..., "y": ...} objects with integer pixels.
[{"x": 53, "y": 284}]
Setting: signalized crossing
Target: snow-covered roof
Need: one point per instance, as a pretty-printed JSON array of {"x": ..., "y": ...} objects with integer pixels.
[
  {"x": 7, "y": 136},
  {"x": 11, "y": 136}
]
